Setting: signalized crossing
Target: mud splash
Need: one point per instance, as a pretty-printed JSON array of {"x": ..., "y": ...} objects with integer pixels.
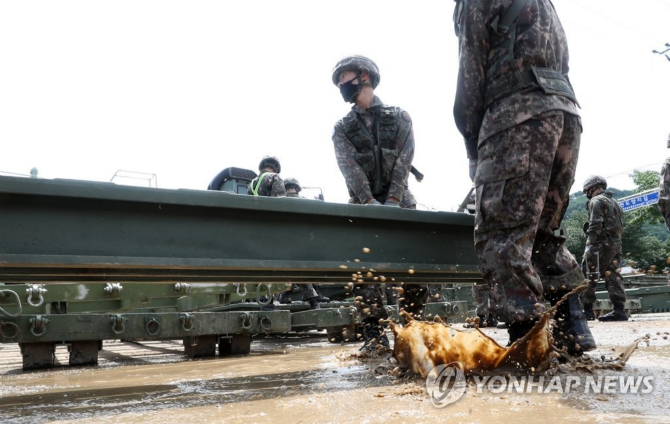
[{"x": 421, "y": 346}]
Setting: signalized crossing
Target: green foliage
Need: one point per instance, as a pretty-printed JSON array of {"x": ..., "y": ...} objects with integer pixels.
[
  {"x": 645, "y": 180},
  {"x": 576, "y": 239}
]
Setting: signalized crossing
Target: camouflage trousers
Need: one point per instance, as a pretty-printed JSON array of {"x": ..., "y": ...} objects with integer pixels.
[
  {"x": 609, "y": 259},
  {"x": 523, "y": 180},
  {"x": 481, "y": 294},
  {"x": 413, "y": 298},
  {"x": 369, "y": 302}
]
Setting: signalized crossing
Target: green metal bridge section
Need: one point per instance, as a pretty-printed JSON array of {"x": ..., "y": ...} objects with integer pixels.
[{"x": 82, "y": 262}]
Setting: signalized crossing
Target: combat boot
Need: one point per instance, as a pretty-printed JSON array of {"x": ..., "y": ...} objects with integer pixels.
[
  {"x": 588, "y": 312},
  {"x": 518, "y": 329},
  {"x": 284, "y": 297},
  {"x": 374, "y": 336},
  {"x": 322, "y": 299},
  {"x": 314, "y": 303},
  {"x": 618, "y": 314},
  {"x": 489, "y": 322},
  {"x": 571, "y": 332}
]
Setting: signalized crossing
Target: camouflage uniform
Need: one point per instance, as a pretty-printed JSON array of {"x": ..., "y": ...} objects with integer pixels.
[
  {"x": 525, "y": 139},
  {"x": 271, "y": 185},
  {"x": 356, "y": 138},
  {"x": 481, "y": 294},
  {"x": 603, "y": 247}
]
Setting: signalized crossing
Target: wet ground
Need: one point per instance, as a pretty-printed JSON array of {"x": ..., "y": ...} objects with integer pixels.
[{"x": 304, "y": 378}]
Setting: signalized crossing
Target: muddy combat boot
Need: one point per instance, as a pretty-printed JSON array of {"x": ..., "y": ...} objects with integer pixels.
[
  {"x": 618, "y": 314},
  {"x": 489, "y": 322},
  {"x": 374, "y": 336},
  {"x": 588, "y": 312},
  {"x": 518, "y": 329},
  {"x": 314, "y": 303},
  {"x": 571, "y": 332},
  {"x": 484, "y": 322}
]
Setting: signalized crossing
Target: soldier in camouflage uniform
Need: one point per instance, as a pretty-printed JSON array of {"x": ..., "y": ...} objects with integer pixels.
[
  {"x": 518, "y": 115},
  {"x": 268, "y": 183},
  {"x": 664, "y": 195},
  {"x": 603, "y": 254},
  {"x": 309, "y": 292},
  {"x": 374, "y": 147}
]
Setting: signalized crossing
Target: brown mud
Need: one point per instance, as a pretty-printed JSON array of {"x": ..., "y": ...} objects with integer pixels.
[{"x": 306, "y": 379}]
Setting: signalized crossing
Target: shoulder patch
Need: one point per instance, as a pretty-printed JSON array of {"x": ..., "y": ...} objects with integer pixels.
[{"x": 405, "y": 116}]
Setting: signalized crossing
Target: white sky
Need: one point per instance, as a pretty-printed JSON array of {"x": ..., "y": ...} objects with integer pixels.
[{"x": 184, "y": 89}]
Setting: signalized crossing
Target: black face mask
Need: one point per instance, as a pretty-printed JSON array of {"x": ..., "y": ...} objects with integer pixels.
[{"x": 350, "y": 91}]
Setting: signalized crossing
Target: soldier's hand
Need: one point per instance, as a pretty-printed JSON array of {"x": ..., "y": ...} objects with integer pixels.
[
  {"x": 392, "y": 202},
  {"x": 473, "y": 169},
  {"x": 374, "y": 202}
]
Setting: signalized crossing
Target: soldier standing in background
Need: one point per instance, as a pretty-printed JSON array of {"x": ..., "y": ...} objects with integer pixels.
[
  {"x": 664, "y": 195},
  {"x": 374, "y": 147},
  {"x": 517, "y": 112},
  {"x": 603, "y": 253},
  {"x": 268, "y": 183}
]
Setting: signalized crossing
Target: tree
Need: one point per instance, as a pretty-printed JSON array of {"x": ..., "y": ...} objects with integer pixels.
[{"x": 645, "y": 180}]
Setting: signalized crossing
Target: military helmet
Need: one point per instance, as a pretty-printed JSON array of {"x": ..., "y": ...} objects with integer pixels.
[
  {"x": 270, "y": 161},
  {"x": 593, "y": 181},
  {"x": 292, "y": 182},
  {"x": 359, "y": 64}
]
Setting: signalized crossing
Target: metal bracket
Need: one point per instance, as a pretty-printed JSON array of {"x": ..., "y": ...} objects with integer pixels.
[
  {"x": 246, "y": 321},
  {"x": 36, "y": 290},
  {"x": 152, "y": 325},
  {"x": 19, "y": 308},
  {"x": 237, "y": 289},
  {"x": 186, "y": 321},
  {"x": 182, "y": 287},
  {"x": 38, "y": 325},
  {"x": 266, "y": 323},
  {"x": 113, "y": 289},
  {"x": 267, "y": 295},
  {"x": 12, "y": 325},
  {"x": 118, "y": 323}
]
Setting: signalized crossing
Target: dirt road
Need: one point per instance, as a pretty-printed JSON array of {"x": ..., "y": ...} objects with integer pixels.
[{"x": 306, "y": 379}]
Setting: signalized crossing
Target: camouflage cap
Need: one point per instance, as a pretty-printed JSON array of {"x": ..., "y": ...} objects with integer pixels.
[
  {"x": 270, "y": 161},
  {"x": 593, "y": 181},
  {"x": 357, "y": 63},
  {"x": 294, "y": 183}
]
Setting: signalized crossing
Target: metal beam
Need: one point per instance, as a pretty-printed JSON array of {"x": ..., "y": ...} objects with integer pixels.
[{"x": 66, "y": 230}]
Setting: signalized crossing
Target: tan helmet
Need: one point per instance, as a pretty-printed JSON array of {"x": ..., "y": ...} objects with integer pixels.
[
  {"x": 593, "y": 181},
  {"x": 357, "y": 64}
]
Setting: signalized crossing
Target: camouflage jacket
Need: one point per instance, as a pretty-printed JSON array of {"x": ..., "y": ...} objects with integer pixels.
[
  {"x": 664, "y": 195},
  {"x": 355, "y": 157},
  {"x": 267, "y": 184},
  {"x": 605, "y": 219},
  {"x": 485, "y": 59}
]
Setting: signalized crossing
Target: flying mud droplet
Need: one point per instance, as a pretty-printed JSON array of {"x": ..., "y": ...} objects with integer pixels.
[{"x": 366, "y": 250}]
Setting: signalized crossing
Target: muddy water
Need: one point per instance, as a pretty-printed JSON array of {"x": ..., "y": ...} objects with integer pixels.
[{"x": 306, "y": 379}]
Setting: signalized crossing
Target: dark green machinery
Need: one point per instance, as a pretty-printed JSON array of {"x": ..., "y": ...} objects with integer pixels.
[{"x": 83, "y": 262}]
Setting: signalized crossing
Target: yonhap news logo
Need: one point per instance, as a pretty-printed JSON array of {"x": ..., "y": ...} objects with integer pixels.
[{"x": 447, "y": 384}]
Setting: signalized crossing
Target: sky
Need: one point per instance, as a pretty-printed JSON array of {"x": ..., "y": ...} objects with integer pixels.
[{"x": 184, "y": 89}]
